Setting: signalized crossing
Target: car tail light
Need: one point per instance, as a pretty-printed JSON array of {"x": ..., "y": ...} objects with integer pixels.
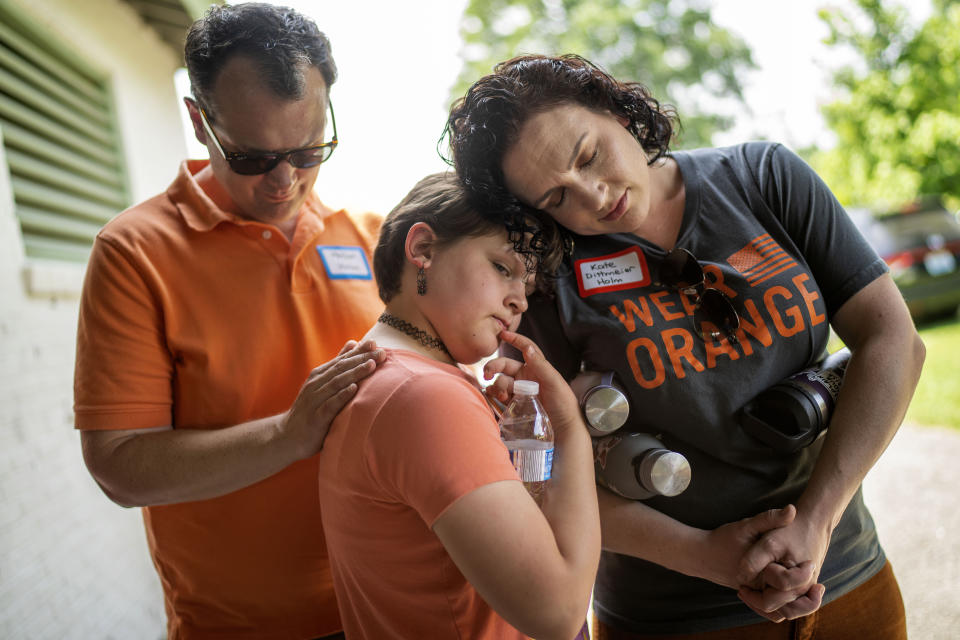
[{"x": 902, "y": 260}]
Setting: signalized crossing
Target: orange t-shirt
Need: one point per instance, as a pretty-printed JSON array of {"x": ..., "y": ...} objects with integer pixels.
[
  {"x": 417, "y": 437},
  {"x": 196, "y": 318}
]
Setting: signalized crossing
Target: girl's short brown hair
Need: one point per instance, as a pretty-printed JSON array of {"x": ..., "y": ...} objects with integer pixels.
[{"x": 440, "y": 201}]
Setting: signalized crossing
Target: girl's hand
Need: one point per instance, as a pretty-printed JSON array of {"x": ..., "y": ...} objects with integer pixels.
[{"x": 555, "y": 394}]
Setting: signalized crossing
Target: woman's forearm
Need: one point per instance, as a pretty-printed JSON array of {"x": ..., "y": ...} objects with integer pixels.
[{"x": 878, "y": 385}]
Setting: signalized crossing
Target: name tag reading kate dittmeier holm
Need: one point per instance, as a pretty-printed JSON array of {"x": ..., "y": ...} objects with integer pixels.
[
  {"x": 344, "y": 262},
  {"x": 625, "y": 269}
]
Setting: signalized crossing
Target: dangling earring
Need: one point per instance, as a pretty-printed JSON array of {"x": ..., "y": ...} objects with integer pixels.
[{"x": 421, "y": 282}]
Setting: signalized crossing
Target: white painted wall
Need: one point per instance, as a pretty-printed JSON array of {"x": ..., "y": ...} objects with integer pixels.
[{"x": 72, "y": 563}]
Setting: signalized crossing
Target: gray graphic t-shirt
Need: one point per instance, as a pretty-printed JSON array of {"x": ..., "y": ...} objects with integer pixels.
[{"x": 770, "y": 235}]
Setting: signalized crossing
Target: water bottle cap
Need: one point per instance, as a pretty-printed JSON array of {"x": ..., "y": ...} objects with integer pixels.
[
  {"x": 605, "y": 408},
  {"x": 526, "y": 387},
  {"x": 665, "y": 472}
]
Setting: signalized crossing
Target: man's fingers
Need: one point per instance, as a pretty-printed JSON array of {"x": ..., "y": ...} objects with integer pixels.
[
  {"x": 325, "y": 413},
  {"x": 321, "y": 386},
  {"x": 348, "y": 345},
  {"x": 329, "y": 409},
  {"x": 349, "y": 360},
  {"x": 326, "y": 397},
  {"x": 352, "y": 348}
]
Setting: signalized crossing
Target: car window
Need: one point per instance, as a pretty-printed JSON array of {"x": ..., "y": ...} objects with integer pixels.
[{"x": 895, "y": 233}]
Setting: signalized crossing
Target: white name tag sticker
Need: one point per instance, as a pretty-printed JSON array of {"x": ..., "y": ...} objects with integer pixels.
[
  {"x": 622, "y": 270},
  {"x": 345, "y": 262}
]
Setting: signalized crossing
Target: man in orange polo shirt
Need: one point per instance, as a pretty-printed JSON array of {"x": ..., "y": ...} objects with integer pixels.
[{"x": 205, "y": 314}]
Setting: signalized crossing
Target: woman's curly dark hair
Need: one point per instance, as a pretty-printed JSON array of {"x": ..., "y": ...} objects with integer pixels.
[{"x": 484, "y": 123}]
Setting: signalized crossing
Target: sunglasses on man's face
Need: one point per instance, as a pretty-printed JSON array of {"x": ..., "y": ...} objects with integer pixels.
[
  {"x": 252, "y": 164},
  {"x": 713, "y": 311}
]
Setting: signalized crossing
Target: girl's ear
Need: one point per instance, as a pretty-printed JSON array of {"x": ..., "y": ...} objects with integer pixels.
[{"x": 420, "y": 244}]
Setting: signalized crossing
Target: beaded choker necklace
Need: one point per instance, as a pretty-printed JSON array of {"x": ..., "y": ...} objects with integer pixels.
[{"x": 419, "y": 335}]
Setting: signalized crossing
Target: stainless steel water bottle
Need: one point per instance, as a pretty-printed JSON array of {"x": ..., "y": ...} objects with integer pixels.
[{"x": 638, "y": 466}]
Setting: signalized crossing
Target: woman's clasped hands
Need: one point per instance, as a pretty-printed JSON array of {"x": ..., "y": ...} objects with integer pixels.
[
  {"x": 778, "y": 573},
  {"x": 772, "y": 559}
]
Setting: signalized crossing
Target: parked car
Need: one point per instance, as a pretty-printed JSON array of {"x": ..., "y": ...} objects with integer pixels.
[{"x": 921, "y": 244}]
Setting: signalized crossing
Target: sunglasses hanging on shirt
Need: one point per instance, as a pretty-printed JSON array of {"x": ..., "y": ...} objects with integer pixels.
[{"x": 714, "y": 315}]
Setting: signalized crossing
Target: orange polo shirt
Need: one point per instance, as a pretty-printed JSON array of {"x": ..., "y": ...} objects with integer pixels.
[{"x": 196, "y": 318}]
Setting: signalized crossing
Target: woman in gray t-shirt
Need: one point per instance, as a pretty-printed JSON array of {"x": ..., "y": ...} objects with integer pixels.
[{"x": 759, "y": 536}]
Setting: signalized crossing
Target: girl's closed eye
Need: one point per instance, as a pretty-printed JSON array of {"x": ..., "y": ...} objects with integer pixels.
[{"x": 502, "y": 269}]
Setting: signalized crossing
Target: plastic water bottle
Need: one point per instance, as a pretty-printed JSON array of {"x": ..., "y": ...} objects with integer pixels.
[
  {"x": 525, "y": 429},
  {"x": 638, "y": 466},
  {"x": 794, "y": 412}
]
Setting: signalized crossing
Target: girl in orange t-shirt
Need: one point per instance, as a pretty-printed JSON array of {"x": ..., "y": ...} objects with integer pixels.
[{"x": 429, "y": 529}]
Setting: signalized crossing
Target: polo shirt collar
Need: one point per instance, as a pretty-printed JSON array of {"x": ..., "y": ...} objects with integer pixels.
[{"x": 202, "y": 213}]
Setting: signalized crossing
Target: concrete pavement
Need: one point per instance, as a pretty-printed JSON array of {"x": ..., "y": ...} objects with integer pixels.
[{"x": 914, "y": 495}]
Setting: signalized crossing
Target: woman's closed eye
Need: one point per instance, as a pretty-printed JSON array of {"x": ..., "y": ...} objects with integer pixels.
[
  {"x": 592, "y": 158},
  {"x": 563, "y": 192}
]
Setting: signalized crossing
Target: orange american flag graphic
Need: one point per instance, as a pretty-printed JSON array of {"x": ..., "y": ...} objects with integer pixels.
[{"x": 760, "y": 260}]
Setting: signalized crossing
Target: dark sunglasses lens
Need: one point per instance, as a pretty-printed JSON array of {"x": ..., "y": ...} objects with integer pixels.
[
  {"x": 681, "y": 270},
  {"x": 254, "y": 165},
  {"x": 715, "y": 316},
  {"x": 310, "y": 157}
]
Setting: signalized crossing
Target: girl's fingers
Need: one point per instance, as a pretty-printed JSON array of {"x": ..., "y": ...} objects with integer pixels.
[
  {"x": 501, "y": 389},
  {"x": 522, "y": 343},
  {"x": 502, "y": 365}
]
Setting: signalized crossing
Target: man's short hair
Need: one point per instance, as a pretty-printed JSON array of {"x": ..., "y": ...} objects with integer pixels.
[{"x": 281, "y": 42}]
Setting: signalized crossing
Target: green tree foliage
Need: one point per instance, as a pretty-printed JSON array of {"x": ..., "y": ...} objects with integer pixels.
[
  {"x": 669, "y": 45},
  {"x": 898, "y": 127}
]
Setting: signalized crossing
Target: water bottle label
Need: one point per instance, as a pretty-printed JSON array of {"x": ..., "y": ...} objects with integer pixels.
[
  {"x": 533, "y": 465},
  {"x": 601, "y": 447},
  {"x": 822, "y": 387}
]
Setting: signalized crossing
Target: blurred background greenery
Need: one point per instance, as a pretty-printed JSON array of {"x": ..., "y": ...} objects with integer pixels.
[
  {"x": 937, "y": 398},
  {"x": 897, "y": 124}
]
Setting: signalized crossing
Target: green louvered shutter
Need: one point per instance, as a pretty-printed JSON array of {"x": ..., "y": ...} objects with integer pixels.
[{"x": 61, "y": 141}]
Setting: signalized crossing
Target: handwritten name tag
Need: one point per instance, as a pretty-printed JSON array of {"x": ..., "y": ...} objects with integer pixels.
[
  {"x": 344, "y": 262},
  {"x": 622, "y": 270}
]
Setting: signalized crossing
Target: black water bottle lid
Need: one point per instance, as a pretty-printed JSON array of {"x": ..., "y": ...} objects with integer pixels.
[{"x": 783, "y": 417}]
